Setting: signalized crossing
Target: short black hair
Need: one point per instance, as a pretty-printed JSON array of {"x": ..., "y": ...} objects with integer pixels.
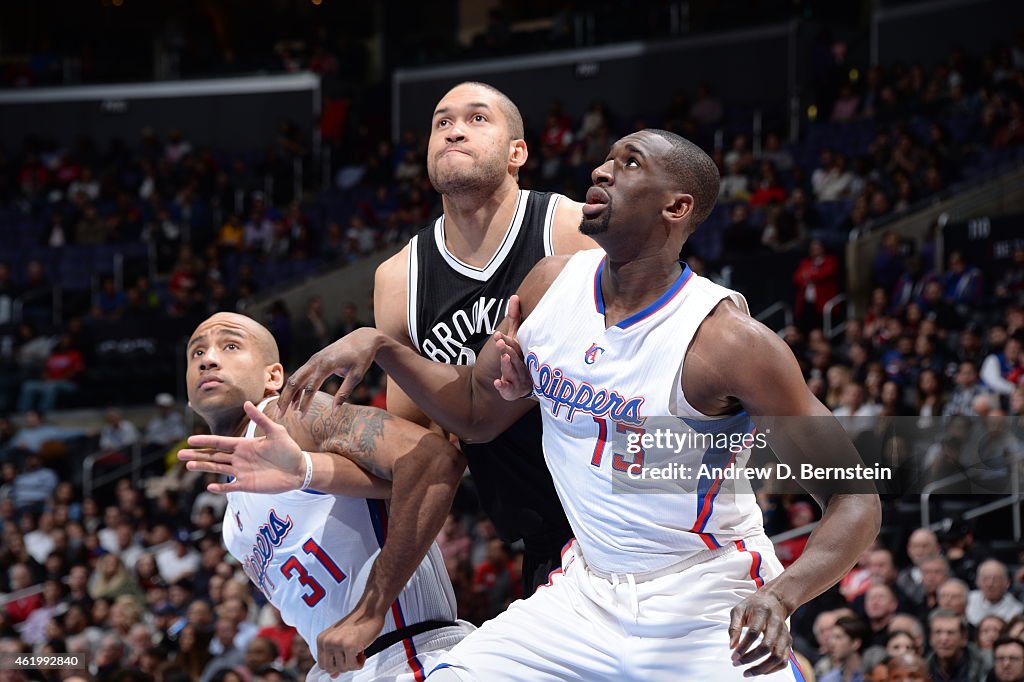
[
  {"x": 1006, "y": 639},
  {"x": 855, "y": 629},
  {"x": 694, "y": 171}
]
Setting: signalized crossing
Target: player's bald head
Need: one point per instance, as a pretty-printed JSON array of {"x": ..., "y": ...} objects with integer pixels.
[{"x": 263, "y": 340}]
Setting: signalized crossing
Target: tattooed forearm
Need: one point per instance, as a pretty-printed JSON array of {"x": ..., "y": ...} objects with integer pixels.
[
  {"x": 349, "y": 430},
  {"x": 369, "y": 431}
]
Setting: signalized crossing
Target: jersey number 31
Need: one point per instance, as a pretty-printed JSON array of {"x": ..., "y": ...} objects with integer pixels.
[{"x": 293, "y": 567}]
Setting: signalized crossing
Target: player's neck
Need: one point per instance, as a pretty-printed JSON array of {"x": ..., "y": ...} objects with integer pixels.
[
  {"x": 228, "y": 422},
  {"x": 631, "y": 286},
  {"x": 475, "y": 224}
]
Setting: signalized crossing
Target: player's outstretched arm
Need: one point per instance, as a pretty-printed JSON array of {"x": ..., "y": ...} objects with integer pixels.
[
  {"x": 466, "y": 401},
  {"x": 273, "y": 463},
  {"x": 771, "y": 388},
  {"x": 425, "y": 469}
]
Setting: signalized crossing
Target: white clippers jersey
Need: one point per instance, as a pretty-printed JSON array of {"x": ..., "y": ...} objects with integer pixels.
[
  {"x": 311, "y": 553},
  {"x": 594, "y": 382}
]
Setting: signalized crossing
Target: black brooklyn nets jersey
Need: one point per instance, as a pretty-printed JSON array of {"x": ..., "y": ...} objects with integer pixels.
[{"x": 453, "y": 310}]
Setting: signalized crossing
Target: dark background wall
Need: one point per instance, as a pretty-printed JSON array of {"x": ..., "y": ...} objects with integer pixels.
[
  {"x": 633, "y": 79},
  {"x": 225, "y": 121}
]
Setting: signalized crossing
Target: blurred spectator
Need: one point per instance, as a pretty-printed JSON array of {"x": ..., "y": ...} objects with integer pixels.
[
  {"x": 118, "y": 434},
  {"x": 177, "y": 146},
  {"x": 962, "y": 285},
  {"x": 832, "y": 180},
  {"x": 166, "y": 427},
  {"x": 108, "y": 658},
  {"x": 280, "y": 633},
  {"x": 740, "y": 238},
  {"x": 735, "y": 185},
  {"x": 992, "y": 596},
  {"x": 909, "y": 286},
  {"x": 706, "y": 109},
  {"x": 908, "y": 668},
  {"x": 334, "y": 247},
  {"x": 60, "y": 372},
  {"x": 232, "y": 234},
  {"x": 888, "y": 264},
  {"x": 349, "y": 320},
  {"x": 1001, "y": 365},
  {"x": 453, "y": 541},
  {"x": 822, "y": 630},
  {"x": 934, "y": 306},
  {"x": 922, "y": 544},
  {"x": 800, "y": 514},
  {"x": 126, "y": 545},
  {"x": 38, "y": 541},
  {"x": 19, "y": 578},
  {"x": 817, "y": 279},
  {"x": 496, "y": 577},
  {"x": 177, "y": 559},
  {"x": 34, "y": 485},
  {"x": 111, "y": 580},
  {"x": 769, "y": 188},
  {"x": 987, "y": 633},
  {"x": 934, "y": 573},
  {"x": 259, "y": 229},
  {"x": 226, "y": 654},
  {"x": 900, "y": 642},
  {"x": 235, "y": 610},
  {"x": 952, "y": 658},
  {"x": 929, "y": 399},
  {"x": 782, "y": 232},
  {"x": 854, "y": 413},
  {"x": 1008, "y": 660},
  {"x": 311, "y": 333},
  {"x": 110, "y": 302},
  {"x": 846, "y": 105},
  {"x": 774, "y": 153},
  {"x": 952, "y": 596},
  {"x": 361, "y": 237},
  {"x": 880, "y": 606},
  {"x": 847, "y": 639},
  {"x": 739, "y": 155},
  {"x": 260, "y": 652},
  {"x": 967, "y": 389}
]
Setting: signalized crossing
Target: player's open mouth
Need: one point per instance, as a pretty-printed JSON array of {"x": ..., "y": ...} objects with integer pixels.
[{"x": 597, "y": 199}]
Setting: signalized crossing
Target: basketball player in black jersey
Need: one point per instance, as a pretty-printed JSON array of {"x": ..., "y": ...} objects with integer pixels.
[{"x": 445, "y": 293}]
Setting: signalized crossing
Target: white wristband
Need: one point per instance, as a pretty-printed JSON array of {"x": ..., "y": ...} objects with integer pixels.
[{"x": 309, "y": 471}]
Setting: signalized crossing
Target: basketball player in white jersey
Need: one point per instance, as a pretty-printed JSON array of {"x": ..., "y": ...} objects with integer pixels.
[
  {"x": 309, "y": 552},
  {"x": 679, "y": 587}
]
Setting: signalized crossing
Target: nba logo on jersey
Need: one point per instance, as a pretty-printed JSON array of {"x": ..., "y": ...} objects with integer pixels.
[
  {"x": 590, "y": 357},
  {"x": 238, "y": 520}
]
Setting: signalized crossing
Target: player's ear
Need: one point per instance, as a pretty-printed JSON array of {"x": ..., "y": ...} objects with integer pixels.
[
  {"x": 679, "y": 208},
  {"x": 517, "y": 154},
  {"x": 274, "y": 377}
]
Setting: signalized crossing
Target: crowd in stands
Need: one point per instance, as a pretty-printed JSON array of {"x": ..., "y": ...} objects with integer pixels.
[{"x": 138, "y": 577}]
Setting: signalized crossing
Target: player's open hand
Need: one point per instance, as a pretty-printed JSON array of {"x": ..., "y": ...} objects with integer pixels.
[
  {"x": 764, "y": 616},
  {"x": 270, "y": 464},
  {"x": 349, "y": 357},
  {"x": 515, "y": 381},
  {"x": 341, "y": 648}
]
